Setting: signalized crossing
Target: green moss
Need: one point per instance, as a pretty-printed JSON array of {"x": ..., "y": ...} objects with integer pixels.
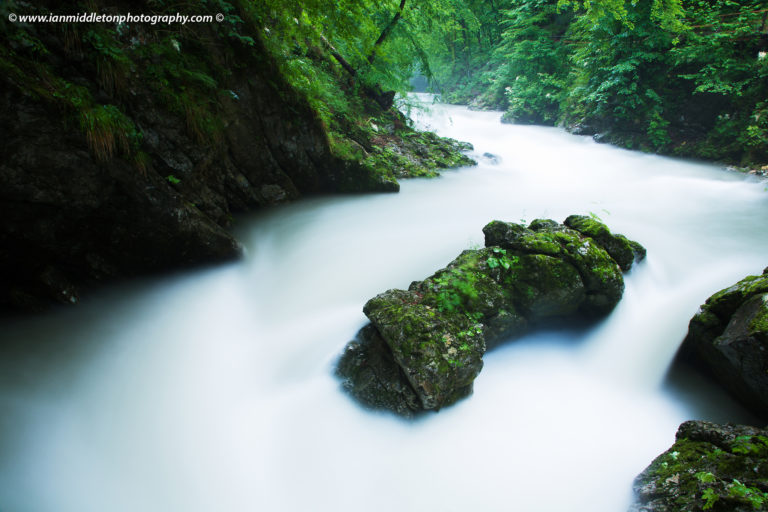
[
  {"x": 589, "y": 226},
  {"x": 621, "y": 249},
  {"x": 112, "y": 63},
  {"x": 701, "y": 475},
  {"x": 725, "y": 302},
  {"x": 540, "y": 243},
  {"x": 759, "y": 323}
]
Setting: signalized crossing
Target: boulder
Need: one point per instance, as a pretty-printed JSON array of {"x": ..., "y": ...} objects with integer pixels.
[
  {"x": 728, "y": 339},
  {"x": 722, "y": 468},
  {"x": 438, "y": 330}
]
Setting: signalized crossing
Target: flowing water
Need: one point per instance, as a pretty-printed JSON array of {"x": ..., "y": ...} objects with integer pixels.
[{"x": 214, "y": 390}]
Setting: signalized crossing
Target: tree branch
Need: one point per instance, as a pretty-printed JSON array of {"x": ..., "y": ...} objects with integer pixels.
[
  {"x": 336, "y": 55},
  {"x": 386, "y": 31}
]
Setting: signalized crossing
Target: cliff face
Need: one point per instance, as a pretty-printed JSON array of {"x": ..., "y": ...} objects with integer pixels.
[{"x": 126, "y": 148}]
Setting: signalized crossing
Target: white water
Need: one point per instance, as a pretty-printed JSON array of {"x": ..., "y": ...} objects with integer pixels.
[{"x": 214, "y": 391}]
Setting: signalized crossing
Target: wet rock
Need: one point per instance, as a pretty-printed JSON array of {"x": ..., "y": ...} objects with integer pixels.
[
  {"x": 723, "y": 468},
  {"x": 582, "y": 129},
  {"x": 728, "y": 339},
  {"x": 602, "y": 138},
  {"x": 438, "y": 330},
  {"x": 371, "y": 375}
]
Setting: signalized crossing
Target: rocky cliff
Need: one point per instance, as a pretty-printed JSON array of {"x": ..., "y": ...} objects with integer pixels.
[{"x": 127, "y": 147}]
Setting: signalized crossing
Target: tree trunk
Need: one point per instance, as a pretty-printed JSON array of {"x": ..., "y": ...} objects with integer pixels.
[{"x": 386, "y": 31}]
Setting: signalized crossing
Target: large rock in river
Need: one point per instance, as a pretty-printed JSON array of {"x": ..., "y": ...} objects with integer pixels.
[
  {"x": 722, "y": 468},
  {"x": 424, "y": 346},
  {"x": 728, "y": 338}
]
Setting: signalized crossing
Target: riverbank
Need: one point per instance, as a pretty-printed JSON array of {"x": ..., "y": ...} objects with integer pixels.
[{"x": 127, "y": 150}]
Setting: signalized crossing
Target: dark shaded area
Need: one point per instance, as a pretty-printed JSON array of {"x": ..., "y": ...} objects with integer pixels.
[{"x": 127, "y": 148}]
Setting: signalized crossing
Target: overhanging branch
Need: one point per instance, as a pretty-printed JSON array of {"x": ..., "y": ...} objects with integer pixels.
[{"x": 386, "y": 31}]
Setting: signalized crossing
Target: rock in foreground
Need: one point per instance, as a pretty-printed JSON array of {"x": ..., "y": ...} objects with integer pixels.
[
  {"x": 728, "y": 338},
  {"x": 424, "y": 346},
  {"x": 710, "y": 467}
]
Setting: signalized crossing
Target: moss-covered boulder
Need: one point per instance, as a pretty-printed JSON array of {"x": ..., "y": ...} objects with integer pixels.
[
  {"x": 722, "y": 468},
  {"x": 728, "y": 339},
  {"x": 436, "y": 332}
]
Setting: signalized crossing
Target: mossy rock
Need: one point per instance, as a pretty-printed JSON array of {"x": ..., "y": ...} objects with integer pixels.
[
  {"x": 621, "y": 249},
  {"x": 723, "y": 468},
  {"x": 438, "y": 330},
  {"x": 599, "y": 270},
  {"x": 396, "y": 148},
  {"x": 440, "y": 354},
  {"x": 728, "y": 339}
]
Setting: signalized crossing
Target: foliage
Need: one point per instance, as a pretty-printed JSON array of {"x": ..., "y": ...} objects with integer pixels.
[
  {"x": 108, "y": 131},
  {"x": 535, "y": 58},
  {"x": 672, "y": 76},
  {"x": 500, "y": 259}
]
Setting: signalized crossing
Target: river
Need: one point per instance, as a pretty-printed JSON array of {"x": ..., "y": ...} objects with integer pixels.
[{"x": 214, "y": 390}]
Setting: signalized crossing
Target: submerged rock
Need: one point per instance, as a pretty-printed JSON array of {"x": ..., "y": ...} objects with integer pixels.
[
  {"x": 728, "y": 338},
  {"x": 710, "y": 467},
  {"x": 437, "y": 331}
]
